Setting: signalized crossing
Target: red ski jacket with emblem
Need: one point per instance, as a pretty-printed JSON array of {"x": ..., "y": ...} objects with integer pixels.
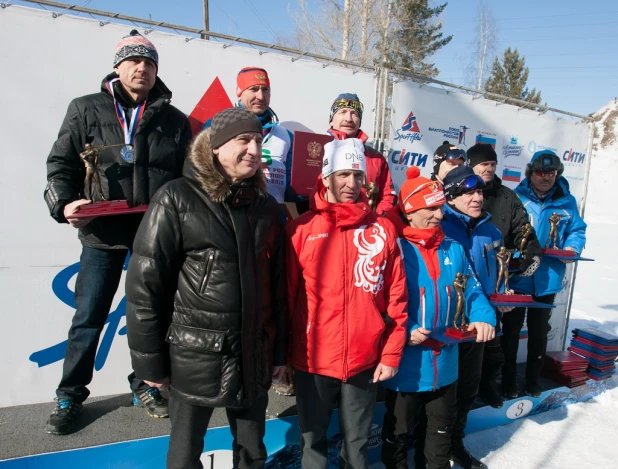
[{"x": 346, "y": 288}]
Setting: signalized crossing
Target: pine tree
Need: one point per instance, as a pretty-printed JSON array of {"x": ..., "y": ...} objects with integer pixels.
[
  {"x": 418, "y": 38},
  {"x": 510, "y": 76}
]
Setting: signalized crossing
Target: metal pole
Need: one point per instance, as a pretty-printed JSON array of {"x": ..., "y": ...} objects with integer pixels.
[
  {"x": 206, "y": 21},
  {"x": 581, "y": 212},
  {"x": 384, "y": 99}
]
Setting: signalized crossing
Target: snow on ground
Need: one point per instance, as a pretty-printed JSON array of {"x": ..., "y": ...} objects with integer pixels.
[{"x": 579, "y": 435}]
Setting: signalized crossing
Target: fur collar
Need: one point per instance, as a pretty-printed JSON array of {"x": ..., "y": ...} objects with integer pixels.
[{"x": 204, "y": 170}]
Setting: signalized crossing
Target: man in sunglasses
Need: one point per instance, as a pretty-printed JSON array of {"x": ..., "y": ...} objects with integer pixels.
[
  {"x": 543, "y": 192},
  {"x": 346, "y": 115},
  {"x": 467, "y": 222},
  {"x": 509, "y": 216},
  {"x": 446, "y": 158}
]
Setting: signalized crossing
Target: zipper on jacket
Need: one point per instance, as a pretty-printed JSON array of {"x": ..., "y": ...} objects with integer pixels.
[
  {"x": 448, "y": 304},
  {"x": 435, "y": 324},
  {"x": 423, "y": 307},
  {"x": 345, "y": 315},
  {"x": 435, "y": 354},
  {"x": 208, "y": 270}
]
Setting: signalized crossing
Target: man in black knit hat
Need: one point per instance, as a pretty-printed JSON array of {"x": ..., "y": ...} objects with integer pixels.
[
  {"x": 509, "y": 216},
  {"x": 446, "y": 158}
]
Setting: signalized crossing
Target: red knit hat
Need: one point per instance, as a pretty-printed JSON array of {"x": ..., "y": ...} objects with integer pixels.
[
  {"x": 251, "y": 76},
  {"x": 418, "y": 192}
]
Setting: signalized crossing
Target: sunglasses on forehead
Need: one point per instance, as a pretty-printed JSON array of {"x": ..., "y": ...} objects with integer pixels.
[
  {"x": 357, "y": 105},
  {"x": 545, "y": 172},
  {"x": 469, "y": 184},
  {"x": 455, "y": 154}
]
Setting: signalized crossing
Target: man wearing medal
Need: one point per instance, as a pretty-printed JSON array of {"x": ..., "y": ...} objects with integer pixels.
[{"x": 141, "y": 140}]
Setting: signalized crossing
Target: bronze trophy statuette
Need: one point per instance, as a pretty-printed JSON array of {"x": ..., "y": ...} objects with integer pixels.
[
  {"x": 526, "y": 230},
  {"x": 551, "y": 245},
  {"x": 503, "y": 257},
  {"x": 103, "y": 207},
  {"x": 459, "y": 328},
  {"x": 372, "y": 194}
]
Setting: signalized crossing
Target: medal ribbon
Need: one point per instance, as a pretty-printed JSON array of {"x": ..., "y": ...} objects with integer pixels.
[{"x": 129, "y": 132}]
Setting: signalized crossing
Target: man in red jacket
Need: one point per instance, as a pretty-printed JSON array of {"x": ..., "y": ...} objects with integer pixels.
[
  {"x": 348, "y": 307},
  {"x": 346, "y": 115}
]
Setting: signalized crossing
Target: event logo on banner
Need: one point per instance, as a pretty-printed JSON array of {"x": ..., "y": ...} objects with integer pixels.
[
  {"x": 403, "y": 159},
  {"x": 409, "y": 130},
  {"x": 533, "y": 147},
  {"x": 486, "y": 137},
  {"x": 572, "y": 158},
  {"x": 453, "y": 133},
  {"x": 512, "y": 148}
]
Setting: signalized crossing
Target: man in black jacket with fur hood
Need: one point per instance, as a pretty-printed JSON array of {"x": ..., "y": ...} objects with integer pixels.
[
  {"x": 141, "y": 140},
  {"x": 206, "y": 302},
  {"x": 509, "y": 216}
]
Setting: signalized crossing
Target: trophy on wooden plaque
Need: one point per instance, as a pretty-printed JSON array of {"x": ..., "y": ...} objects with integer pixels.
[
  {"x": 90, "y": 157},
  {"x": 372, "y": 194},
  {"x": 459, "y": 329}
]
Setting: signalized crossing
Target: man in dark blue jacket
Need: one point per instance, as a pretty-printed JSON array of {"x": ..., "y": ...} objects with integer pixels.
[
  {"x": 509, "y": 216},
  {"x": 544, "y": 192},
  {"x": 468, "y": 223}
]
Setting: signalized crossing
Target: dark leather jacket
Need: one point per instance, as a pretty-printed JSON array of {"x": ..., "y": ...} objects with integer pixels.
[{"x": 205, "y": 287}]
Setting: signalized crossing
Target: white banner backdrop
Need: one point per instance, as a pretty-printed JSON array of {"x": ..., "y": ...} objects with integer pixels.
[
  {"x": 47, "y": 62},
  {"x": 423, "y": 117}
]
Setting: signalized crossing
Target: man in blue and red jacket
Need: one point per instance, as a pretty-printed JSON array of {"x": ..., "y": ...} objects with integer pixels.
[{"x": 428, "y": 370}]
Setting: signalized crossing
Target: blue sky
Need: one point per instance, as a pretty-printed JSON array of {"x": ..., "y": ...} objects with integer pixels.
[{"x": 571, "y": 47}]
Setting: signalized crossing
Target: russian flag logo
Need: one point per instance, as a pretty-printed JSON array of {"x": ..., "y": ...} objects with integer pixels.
[{"x": 511, "y": 175}]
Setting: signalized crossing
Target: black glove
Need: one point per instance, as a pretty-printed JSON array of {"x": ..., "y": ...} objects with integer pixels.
[{"x": 529, "y": 266}]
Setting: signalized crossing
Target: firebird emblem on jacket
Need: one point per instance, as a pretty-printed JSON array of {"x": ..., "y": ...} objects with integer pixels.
[{"x": 367, "y": 274}]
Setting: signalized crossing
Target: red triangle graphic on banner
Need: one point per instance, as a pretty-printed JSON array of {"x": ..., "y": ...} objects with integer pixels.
[{"x": 215, "y": 99}]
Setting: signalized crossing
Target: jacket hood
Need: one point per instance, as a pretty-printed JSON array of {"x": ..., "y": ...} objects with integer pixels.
[
  {"x": 429, "y": 238},
  {"x": 560, "y": 190},
  {"x": 158, "y": 91},
  {"x": 204, "y": 169},
  {"x": 342, "y": 214}
]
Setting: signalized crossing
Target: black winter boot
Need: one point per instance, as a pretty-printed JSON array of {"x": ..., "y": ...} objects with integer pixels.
[{"x": 461, "y": 456}]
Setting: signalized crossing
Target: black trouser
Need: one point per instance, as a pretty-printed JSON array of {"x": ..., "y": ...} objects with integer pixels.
[
  {"x": 402, "y": 415},
  {"x": 316, "y": 398},
  {"x": 493, "y": 358},
  {"x": 470, "y": 365},
  {"x": 538, "y": 327},
  {"x": 189, "y": 424}
]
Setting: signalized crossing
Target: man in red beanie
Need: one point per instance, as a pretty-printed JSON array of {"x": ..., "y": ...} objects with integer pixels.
[
  {"x": 346, "y": 115},
  {"x": 253, "y": 92},
  {"x": 347, "y": 304},
  {"x": 427, "y": 383}
]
